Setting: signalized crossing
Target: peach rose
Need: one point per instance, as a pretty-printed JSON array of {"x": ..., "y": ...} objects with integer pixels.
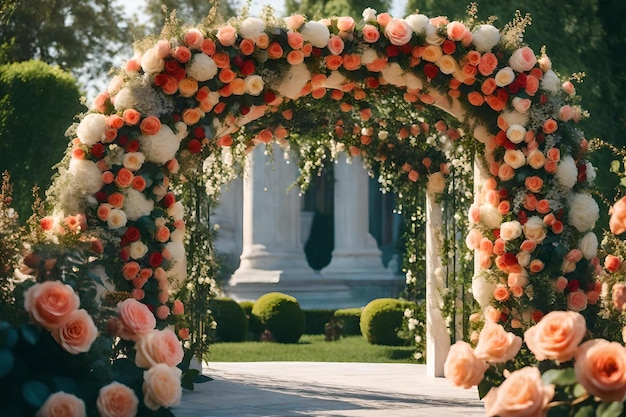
[
  {"x": 161, "y": 386},
  {"x": 496, "y": 344},
  {"x": 506, "y": 172},
  {"x": 227, "y": 35},
  {"x": 77, "y": 334},
  {"x": 136, "y": 319},
  {"x": 488, "y": 63},
  {"x": 617, "y": 222},
  {"x": 61, "y": 404},
  {"x": 150, "y": 125},
  {"x": 117, "y": 400},
  {"x": 275, "y": 51},
  {"x": 456, "y": 30},
  {"x": 557, "y": 336},
  {"x": 501, "y": 293},
  {"x": 432, "y": 53},
  {"x": 462, "y": 368},
  {"x": 346, "y": 23},
  {"x": 600, "y": 367},
  {"x": 534, "y": 229},
  {"x": 178, "y": 308},
  {"x": 549, "y": 126},
  {"x": 515, "y": 158},
  {"x": 510, "y": 230},
  {"x": 158, "y": 346},
  {"x": 294, "y": 22},
  {"x": 398, "y": 32},
  {"x": 523, "y": 59},
  {"x": 536, "y": 159},
  {"x": 522, "y": 394},
  {"x": 612, "y": 263},
  {"x": 370, "y": 34},
  {"x": 188, "y": 87},
  {"x": 335, "y": 45},
  {"x": 533, "y": 184},
  {"x": 50, "y": 303},
  {"x": 577, "y": 300},
  {"x": 124, "y": 178}
]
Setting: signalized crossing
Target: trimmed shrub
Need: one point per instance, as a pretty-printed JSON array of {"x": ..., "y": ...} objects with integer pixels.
[
  {"x": 381, "y": 320},
  {"x": 315, "y": 320},
  {"x": 281, "y": 315},
  {"x": 349, "y": 319},
  {"x": 231, "y": 319},
  {"x": 254, "y": 325}
]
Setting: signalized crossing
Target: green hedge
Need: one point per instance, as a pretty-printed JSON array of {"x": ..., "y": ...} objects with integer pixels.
[
  {"x": 315, "y": 320},
  {"x": 381, "y": 320},
  {"x": 281, "y": 315},
  {"x": 349, "y": 319},
  {"x": 231, "y": 319}
]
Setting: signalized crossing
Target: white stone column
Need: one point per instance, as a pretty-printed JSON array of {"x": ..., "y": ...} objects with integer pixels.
[
  {"x": 437, "y": 337},
  {"x": 229, "y": 218}
]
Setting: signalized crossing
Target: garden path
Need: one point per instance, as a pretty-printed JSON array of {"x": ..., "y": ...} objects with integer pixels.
[{"x": 328, "y": 389}]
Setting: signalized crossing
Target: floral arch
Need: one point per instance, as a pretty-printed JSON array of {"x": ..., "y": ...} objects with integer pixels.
[{"x": 193, "y": 92}]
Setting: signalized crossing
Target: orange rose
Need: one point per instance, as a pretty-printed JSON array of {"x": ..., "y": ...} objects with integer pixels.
[
  {"x": 238, "y": 86},
  {"x": 501, "y": 293},
  {"x": 162, "y": 234},
  {"x": 333, "y": 62},
  {"x": 295, "y": 57},
  {"x": 116, "y": 200},
  {"x": 124, "y": 178},
  {"x": 227, "y": 35},
  {"x": 117, "y": 400},
  {"x": 532, "y": 85},
  {"x": 351, "y": 62},
  {"x": 50, "y": 303},
  {"x": 275, "y": 51},
  {"x": 549, "y": 126},
  {"x": 161, "y": 386},
  {"x": 488, "y": 86},
  {"x": 617, "y": 222},
  {"x": 138, "y": 183},
  {"x": 77, "y": 334},
  {"x": 192, "y": 116},
  {"x": 115, "y": 122},
  {"x": 188, "y": 87},
  {"x": 536, "y": 159},
  {"x": 295, "y": 40},
  {"x": 130, "y": 270},
  {"x": 533, "y": 184},
  {"x": 462, "y": 368},
  {"x": 475, "y": 98},
  {"x": 263, "y": 41},
  {"x": 504, "y": 207},
  {"x": 496, "y": 344},
  {"x": 521, "y": 394},
  {"x": 135, "y": 319},
  {"x": 150, "y": 125},
  {"x": 131, "y": 117},
  {"x": 612, "y": 263},
  {"x": 370, "y": 34},
  {"x": 488, "y": 63},
  {"x": 222, "y": 60},
  {"x": 61, "y": 404},
  {"x": 104, "y": 210},
  {"x": 600, "y": 367},
  {"x": 554, "y": 154},
  {"x": 506, "y": 172},
  {"x": 247, "y": 47},
  {"x": 226, "y": 75},
  {"x": 536, "y": 266},
  {"x": 158, "y": 346}
]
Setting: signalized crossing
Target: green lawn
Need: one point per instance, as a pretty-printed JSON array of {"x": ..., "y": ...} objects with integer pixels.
[{"x": 310, "y": 348}]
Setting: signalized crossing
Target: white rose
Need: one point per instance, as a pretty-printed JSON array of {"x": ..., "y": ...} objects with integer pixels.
[
  {"x": 368, "y": 55},
  {"x": 482, "y": 290},
  {"x": 447, "y": 64},
  {"x": 485, "y": 37},
  {"x": 201, "y": 67},
  {"x": 138, "y": 250},
  {"x": 567, "y": 172},
  {"x": 589, "y": 245},
  {"x": 523, "y": 59},
  {"x": 516, "y": 133},
  {"x": 86, "y": 174},
  {"x": 505, "y": 77},
  {"x": 489, "y": 216},
  {"x": 254, "y": 85},
  {"x": 133, "y": 160},
  {"x": 535, "y": 229},
  {"x": 137, "y": 204},
  {"x": 420, "y": 24},
  {"x": 523, "y": 258},
  {"x": 550, "y": 82},
  {"x": 251, "y": 27},
  {"x": 315, "y": 32},
  {"x": 91, "y": 129},
  {"x": 583, "y": 212},
  {"x": 151, "y": 63},
  {"x": 116, "y": 219},
  {"x": 178, "y": 272},
  {"x": 436, "y": 183},
  {"x": 369, "y": 15},
  {"x": 510, "y": 230},
  {"x": 515, "y": 158}
]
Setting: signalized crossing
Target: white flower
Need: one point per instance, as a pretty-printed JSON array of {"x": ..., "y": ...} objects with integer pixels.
[
  {"x": 394, "y": 74},
  {"x": 124, "y": 99},
  {"x": 420, "y": 24},
  {"x": 489, "y": 216},
  {"x": 523, "y": 258},
  {"x": 514, "y": 117},
  {"x": 515, "y": 158},
  {"x": 151, "y": 63},
  {"x": 163, "y": 146},
  {"x": 178, "y": 272},
  {"x": 254, "y": 85},
  {"x": 138, "y": 250},
  {"x": 485, "y": 37},
  {"x": 133, "y": 160},
  {"x": 369, "y": 15},
  {"x": 116, "y": 219},
  {"x": 136, "y": 204},
  {"x": 591, "y": 172},
  {"x": 505, "y": 77},
  {"x": 516, "y": 133},
  {"x": 315, "y": 32},
  {"x": 293, "y": 81},
  {"x": 251, "y": 27},
  {"x": 589, "y": 245},
  {"x": 447, "y": 64},
  {"x": 436, "y": 183},
  {"x": 510, "y": 230},
  {"x": 567, "y": 172},
  {"x": 413, "y": 82},
  {"x": 176, "y": 210},
  {"x": 523, "y": 59},
  {"x": 91, "y": 129},
  {"x": 550, "y": 82},
  {"x": 583, "y": 212},
  {"x": 177, "y": 235},
  {"x": 482, "y": 290},
  {"x": 335, "y": 80},
  {"x": 86, "y": 175},
  {"x": 201, "y": 67},
  {"x": 368, "y": 55}
]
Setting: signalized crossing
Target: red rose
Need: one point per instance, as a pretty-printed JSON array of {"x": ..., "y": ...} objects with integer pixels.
[
  {"x": 244, "y": 110},
  {"x": 171, "y": 66},
  {"x": 194, "y": 146},
  {"x": 155, "y": 259},
  {"x": 448, "y": 46},
  {"x": 124, "y": 254},
  {"x": 97, "y": 150},
  {"x": 247, "y": 68},
  {"x": 101, "y": 196},
  {"x": 392, "y": 50},
  {"x": 122, "y": 140},
  {"x": 132, "y": 234},
  {"x": 168, "y": 200},
  {"x": 133, "y": 146},
  {"x": 269, "y": 96},
  {"x": 431, "y": 70},
  {"x": 573, "y": 285}
]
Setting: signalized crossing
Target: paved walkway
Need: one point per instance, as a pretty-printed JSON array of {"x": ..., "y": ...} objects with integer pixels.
[{"x": 336, "y": 389}]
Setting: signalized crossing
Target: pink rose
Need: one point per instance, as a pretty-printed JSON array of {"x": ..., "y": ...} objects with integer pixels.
[
  {"x": 61, "y": 404},
  {"x": 577, "y": 300},
  {"x": 556, "y": 336},
  {"x": 227, "y": 35},
  {"x": 496, "y": 344},
  {"x": 523, "y": 59},
  {"x": 194, "y": 38},
  {"x": 600, "y": 367},
  {"x": 522, "y": 394},
  {"x": 617, "y": 222},
  {"x": 370, "y": 34},
  {"x": 161, "y": 386},
  {"x": 335, "y": 45},
  {"x": 77, "y": 333},
  {"x": 398, "y": 32},
  {"x": 618, "y": 296},
  {"x": 136, "y": 319},
  {"x": 345, "y": 24},
  {"x": 178, "y": 307},
  {"x": 159, "y": 346},
  {"x": 462, "y": 368},
  {"x": 294, "y": 22},
  {"x": 117, "y": 400},
  {"x": 456, "y": 31},
  {"x": 50, "y": 303}
]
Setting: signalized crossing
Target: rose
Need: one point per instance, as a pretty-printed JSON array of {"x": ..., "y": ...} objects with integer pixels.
[
  {"x": 61, "y": 404},
  {"x": 617, "y": 222},
  {"x": 150, "y": 125},
  {"x": 496, "y": 344},
  {"x": 510, "y": 230},
  {"x": 536, "y": 159},
  {"x": 462, "y": 368},
  {"x": 533, "y": 184},
  {"x": 504, "y": 77},
  {"x": 577, "y": 300},
  {"x": 201, "y": 67},
  {"x": 178, "y": 307},
  {"x": 523, "y": 59},
  {"x": 447, "y": 64},
  {"x": 370, "y": 34},
  {"x": 227, "y": 35},
  {"x": 432, "y": 53},
  {"x": 254, "y": 85},
  {"x": 50, "y": 303},
  {"x": 398, "y": 32},
  {"x": 516, "y": 133},
  {"x": 436, "y": 183},
  {"x": 158, "y": 346},
  {"x": 345, "y": 23},
  {"x": 133, "y": 160},
  {"x": 487, "y": 65},
  {"x": 335, "y": 45},
  {"x": 535, "y": 229},
  {"x": 515, "y": 158},
  {"x": 557, "y": 336},
  {"x": 589, "y": 245},
  {"x": 456, "y": 30},
  {"x": 151, "y": 62},
  {"x": 522, "y": 394},
  {"x": 161, "y": 386},
  {"x": 600, "y": 367},
  {"x": 117, "y": 400},
  {"x": 294, "y": 22},
  {"x": 78, "y": 332},
  {"x": 618, "y": 295},
  {"x": 135, "y": 319}
]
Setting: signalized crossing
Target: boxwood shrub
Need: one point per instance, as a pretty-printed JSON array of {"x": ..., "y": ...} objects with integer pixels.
[
  {"x": 349, "y": 319},
  {"x": 281, "y": 315},
  {"x": 381, "y": 320}
]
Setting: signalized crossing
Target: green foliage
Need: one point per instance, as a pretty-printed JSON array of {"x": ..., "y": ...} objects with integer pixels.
[
  {"x": 281, "y": 315},
  {"x": 232, "y": 321},
  {"x": 328, "y": 8},
  {"x": 381, "y": 320},
  {"x": 349, "y": 319},
  {"x": 37, "y": 103},
  {"x": 315, "y": 320}
]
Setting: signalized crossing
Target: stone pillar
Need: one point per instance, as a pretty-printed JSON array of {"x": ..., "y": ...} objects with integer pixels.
[
  {"x": 229, "y": 217},
  {"x": 437, "y": 337}
]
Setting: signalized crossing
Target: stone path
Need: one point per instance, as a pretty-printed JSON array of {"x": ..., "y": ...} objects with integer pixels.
[{"x": 335, "y": 389}]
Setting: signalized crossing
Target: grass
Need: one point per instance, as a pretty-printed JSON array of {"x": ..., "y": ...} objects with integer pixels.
[{"x": 311, "y": 348}]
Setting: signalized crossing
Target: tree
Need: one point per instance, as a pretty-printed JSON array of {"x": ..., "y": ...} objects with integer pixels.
[
  {"x": 329, "y": 8},
  {"x": 188, "y": 11}
]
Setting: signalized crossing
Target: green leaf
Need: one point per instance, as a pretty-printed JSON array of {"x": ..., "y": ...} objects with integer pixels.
[
  {"x": 35, "y": 393},
  {"x": 483, "y": 388},
  {"x": 199, "y": 379},
  {"x": 613, "y": 409},
  {"x": 586, "y": 411},
  {"x": 30, "y": 333},
  {"x": 559, "y": 376},
  {"x": 164, "y": 412},
  {"x": 7, "y": 360},
  {"x": 579, "y": 390},
  {"x": 188, "y": 378},
  {"x": 615, "y": 167}
]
